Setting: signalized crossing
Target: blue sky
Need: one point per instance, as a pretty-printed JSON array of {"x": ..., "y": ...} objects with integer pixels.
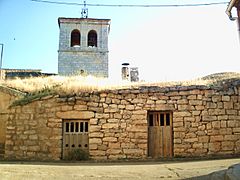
[{"x": 165, "y": 43}]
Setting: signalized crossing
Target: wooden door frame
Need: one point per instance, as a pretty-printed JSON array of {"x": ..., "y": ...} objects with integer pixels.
[
  {"x": 159, "y": 123},
  {"x": 79, "y": 131}
]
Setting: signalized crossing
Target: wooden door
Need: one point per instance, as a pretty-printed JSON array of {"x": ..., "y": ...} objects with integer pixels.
[
  {"x": 75, "y": 136},
  {"x": 160, "y": 140}
]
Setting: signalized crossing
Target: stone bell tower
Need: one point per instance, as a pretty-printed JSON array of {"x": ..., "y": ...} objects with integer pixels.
[{"x": 83, "y": 46}]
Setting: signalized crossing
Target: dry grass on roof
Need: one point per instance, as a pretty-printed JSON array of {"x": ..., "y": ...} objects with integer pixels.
[{"x": 75, "y": 84}]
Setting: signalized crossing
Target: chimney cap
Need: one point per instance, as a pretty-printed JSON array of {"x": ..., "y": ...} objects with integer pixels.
[{"x": 125, "y": 64}]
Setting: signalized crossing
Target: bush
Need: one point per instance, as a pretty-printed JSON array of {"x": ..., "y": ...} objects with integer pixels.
[{"x": 78, "y": 155}]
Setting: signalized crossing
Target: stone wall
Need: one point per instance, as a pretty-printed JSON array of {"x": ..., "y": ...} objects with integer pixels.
[
  {"x": 91, "y": 62},
  {"x": 7, "y": 96},
  {"x": 206, "y": 122}
]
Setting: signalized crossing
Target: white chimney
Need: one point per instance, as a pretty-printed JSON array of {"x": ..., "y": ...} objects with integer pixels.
[
  {"x": 125, "y": 71},
  {"x": 134, "y": 74}
]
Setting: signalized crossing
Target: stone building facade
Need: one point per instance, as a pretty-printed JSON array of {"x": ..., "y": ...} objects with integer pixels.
[
  {"x": 146, "y": 122},
  {"x": 83, "y": 46}
]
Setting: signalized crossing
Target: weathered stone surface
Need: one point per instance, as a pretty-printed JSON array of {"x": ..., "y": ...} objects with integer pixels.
[
  {"x": 93, "y": 146},
  {"x": 66, "y": 108},
  {"x": 191, "y": 140},
  {"x": 212, "y": 112},
  {"x": 225, "y": 98},
  {"x": 182, "y": 114},
  {"x": 96, "y": 135},
  {"x": 216, "y": 98},
  {"x": 228, "y": 105},
  {"x": 95, "y": 141},
  {"x": 110, "y": 126},
  {"x": 95, "y": 128},
  {"x": 192, "y": 97},
  {"x": 110, "y": 139},
  {"x": 113, "y": 151},
  {"x": 75, "y": 115},
  {"x": 236, "y": 130},
  {"x": 227, "y": 145},
  {"x": 209, "y": 118},
  {"x": 215, "y": 146},
  {"x": 232, "y": 112},
  {"x": 137, "y": 129},
  {"x": 216, "y": 124},
  {"x": 95, "y": 153},
  {"x": 223, "y": 117},
  {"x": 130, "y": 107},
  {"x": 182, "y": 101},
  {"x": 195, "y": 102},
  {"x": 113, "y": 145},
  {"x": 216, "y": 138},
  {"x": 140, "y": 112},
  {"x": 138, "y": 117},
  {"x": 199, "y": 107},
  {"x": 164, "y": 107},
  {"x": 80, "y": 107},
  {"x": 184, "y": 107},
  {"x": 133, "y": 151},
  {"x": 203, "y": 139},
  {"x": 177, "y": 124}
]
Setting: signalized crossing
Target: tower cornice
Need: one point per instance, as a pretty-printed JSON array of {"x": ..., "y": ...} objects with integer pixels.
[{"x": 79, "y": 20}]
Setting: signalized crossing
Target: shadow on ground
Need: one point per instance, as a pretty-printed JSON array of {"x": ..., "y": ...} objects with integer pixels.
[{"x": 232, "y": 173}]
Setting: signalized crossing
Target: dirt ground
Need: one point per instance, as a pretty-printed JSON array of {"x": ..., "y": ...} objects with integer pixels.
[{"x": 122, "y": 170}]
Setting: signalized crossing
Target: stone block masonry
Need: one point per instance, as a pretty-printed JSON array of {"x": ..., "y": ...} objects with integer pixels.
[
  {"x": 206, "y": 122},
  {"x": 7, "y": 96},
  {"x": 75, "y": 61},
  {"x": 83, "y": 59}
]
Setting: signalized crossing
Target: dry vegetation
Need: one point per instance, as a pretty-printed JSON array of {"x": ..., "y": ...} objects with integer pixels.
[{"x": 74, "y": 84}]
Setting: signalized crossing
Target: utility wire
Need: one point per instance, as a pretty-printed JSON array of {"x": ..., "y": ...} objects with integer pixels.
[{"x": 131, "y": 5}]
